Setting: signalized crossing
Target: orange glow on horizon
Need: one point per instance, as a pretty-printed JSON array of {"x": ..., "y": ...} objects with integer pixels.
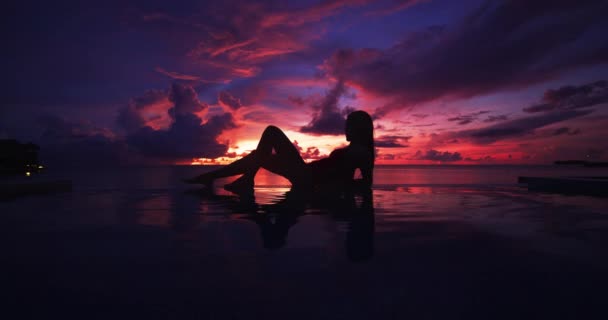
[{"x": 212, "y": 162}]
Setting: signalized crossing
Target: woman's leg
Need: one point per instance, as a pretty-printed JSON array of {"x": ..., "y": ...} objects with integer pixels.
[
  {"x": 285, "y": 161},
  {"x": 237, "y": 167},
  {"x": 294, "y": 171}
]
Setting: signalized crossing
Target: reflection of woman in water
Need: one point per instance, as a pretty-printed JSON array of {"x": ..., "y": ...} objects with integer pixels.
[
  {"x": 279, "y": 217},
  {"x": 335, "y": 171}
]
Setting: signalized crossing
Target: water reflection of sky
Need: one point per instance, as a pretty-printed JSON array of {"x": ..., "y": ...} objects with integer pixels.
[
  {"x": 225, "y": 223},
  {"x": 142, "y": 240},
  {"x": 415, "y": 251}
]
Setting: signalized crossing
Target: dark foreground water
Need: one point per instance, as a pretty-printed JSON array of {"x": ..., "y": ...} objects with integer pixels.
[{"x": 430, "y": 242}]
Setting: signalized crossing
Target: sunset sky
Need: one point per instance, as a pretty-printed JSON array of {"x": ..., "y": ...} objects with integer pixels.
[{"x": 459, "y": 82}]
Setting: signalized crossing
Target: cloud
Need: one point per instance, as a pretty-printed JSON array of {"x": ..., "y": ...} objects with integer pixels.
[
  {"x": 572, "y": 97},
  {"x": 502, "y": 45},
  {"x": 176, "y": 75},
  {"x": 300, "y": 101},
  {"x": 185, "y": 100},
  {"x": 227, "y": 100},
  {"x": 311, "y": 153},
  {"x": 261, "y": 116},
  {"x": 149, "y": 98},
  {"x": 391, "y": 141},
  {"x": 565, "y": 130},
  {"x": 130, "y": 119},
  {"x": 502, "y": 117},
  {"x": 467, "y": 118},
  {"x": 186, "y": 137},
  {"x": 311, "y": 14},
  {"x": 471, "y": 117},
  {"x": 66, "y": 143},
  {"x": 423, "y": 125},
  {"x": 57, "y": 129},
  {"x": 512, "y": 128},
  {"x": 386, "y": 156},
  {"x": 522, "y": 126},
  {"x": 157, "y": 108},
  {"x": 148, "y": 109},
  {"x": 237, "y": 38},
  {"x": 233, "y": 39},
  {"x": 483, "y": 159},
  {"x": 434, "y": 155},
  {"x": 395, "y": 7},
  {"x": 565, "y": 97},
  {"x": 328, "y": 118},
  {"x": 419, "y": 116}
]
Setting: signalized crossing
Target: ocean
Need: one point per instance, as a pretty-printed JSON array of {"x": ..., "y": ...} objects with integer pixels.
[{"x": 430, "y": 242}]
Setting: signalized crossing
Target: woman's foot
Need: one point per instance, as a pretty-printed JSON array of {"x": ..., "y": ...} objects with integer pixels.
[{"x": 241, "y": 186}]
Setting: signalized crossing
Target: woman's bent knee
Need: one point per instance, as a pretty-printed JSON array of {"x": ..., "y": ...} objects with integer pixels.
[{"x": 272, "y": 130}]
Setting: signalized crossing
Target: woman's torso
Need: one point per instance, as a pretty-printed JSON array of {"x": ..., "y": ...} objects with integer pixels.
[{"x": 334, "y": 169}]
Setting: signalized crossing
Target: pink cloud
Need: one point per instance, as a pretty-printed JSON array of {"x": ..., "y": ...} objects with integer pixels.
[
  {"x": 150, "y": 109},
  {"x": 311, "y": 14},
  {"x": 234, "y": 40},
  {"x": 396, "y": 7},
  {"x": 187, "y": 136},
  {"x": 311, "y": 153},
  {"x": 176, "y": 75}
]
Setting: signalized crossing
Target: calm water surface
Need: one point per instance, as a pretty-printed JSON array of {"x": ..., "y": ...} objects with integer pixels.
[
  {"x": 414, "y": 175},
  {"x": 430, "y": 242},
  {"x": 484, "y": 197}
]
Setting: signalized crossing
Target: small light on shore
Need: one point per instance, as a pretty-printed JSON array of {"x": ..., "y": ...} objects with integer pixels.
[
  {"x": 40, "y": 167},
  {"x": 28, "y": 173}
]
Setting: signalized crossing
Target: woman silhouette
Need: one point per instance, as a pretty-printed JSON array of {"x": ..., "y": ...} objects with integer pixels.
[{"x": 332, "y": 173}]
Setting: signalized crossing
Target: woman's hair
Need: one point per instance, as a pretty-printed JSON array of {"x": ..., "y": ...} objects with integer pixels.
[{"x": 360, "y": 129}]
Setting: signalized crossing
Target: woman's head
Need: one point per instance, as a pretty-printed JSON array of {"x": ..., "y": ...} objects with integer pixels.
[{"x": 360, "y": 128}]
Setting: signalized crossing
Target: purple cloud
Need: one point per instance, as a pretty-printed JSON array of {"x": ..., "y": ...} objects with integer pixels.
[
  {"x": 328, "y": 118},
  {"x": 467, "y": 118},
  {"x": 507, "y": 129},
  {"x": 392, "y": 141},
  {"x": 185, "y": 100},
  {"x": 73, "y": 144},
  {"x": 572, "y": 97},
  {"x": 502, "y": 45},
  {"x": 228, "y": 100},
  {"x": 186, "y": 137},
  {"x": 311, "y": 153},
  {"x": 521, "y": 126},
  {"x": 502, "y": 117},
  {"x": 176, "y": 75},
  {"x": 566, "y": 130},
  {"x": 434, "y": 155}
]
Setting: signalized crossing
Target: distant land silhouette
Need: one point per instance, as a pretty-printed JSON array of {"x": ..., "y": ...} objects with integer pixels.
[
  {"x": 582, "y": 163},
  {"x": 18, "y": 158}
]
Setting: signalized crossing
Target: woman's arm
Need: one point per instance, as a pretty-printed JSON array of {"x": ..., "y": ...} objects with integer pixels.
[
  {"x": 368, "y": 176},
  {"x": 360, "y": 158}
]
